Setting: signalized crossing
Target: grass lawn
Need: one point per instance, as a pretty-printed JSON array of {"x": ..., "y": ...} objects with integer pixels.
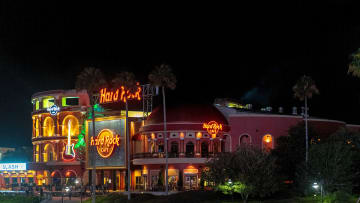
[
  {"x": 199, "y": 197},
  {"x": 18, "y": 199}
]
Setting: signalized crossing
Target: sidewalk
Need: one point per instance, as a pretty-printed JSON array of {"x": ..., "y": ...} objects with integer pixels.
[{"x": 66, "y": 200}]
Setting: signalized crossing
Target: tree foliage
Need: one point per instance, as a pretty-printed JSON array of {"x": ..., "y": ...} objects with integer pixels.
[
  {"x": 229, "y": 188},
  {"x": 252, "y": 168},
  {"x": 90, "y": 79},
  {"x": 354, "y": 66},
  {"x": 163, "y": 76},
  {"x": 290, "y": 150},
  {"x": 126, "y": 79},
  {"x": 305, "y": 87},
  {"x": 334, "y": 162}
]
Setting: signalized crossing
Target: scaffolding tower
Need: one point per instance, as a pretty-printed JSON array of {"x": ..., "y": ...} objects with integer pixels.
[{"x": 148, "y": 92}]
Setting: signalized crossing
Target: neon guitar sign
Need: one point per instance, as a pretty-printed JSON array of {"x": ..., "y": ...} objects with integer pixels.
[{"x": 69, "y": 154}]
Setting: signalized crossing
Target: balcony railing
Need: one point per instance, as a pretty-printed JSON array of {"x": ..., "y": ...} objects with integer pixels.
[{"x": 170, "y": 155}]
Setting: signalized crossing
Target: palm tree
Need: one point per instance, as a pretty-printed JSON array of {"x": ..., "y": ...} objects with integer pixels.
[
  {"x": 127, "y": 80},
  {"x": 354, "y": 66},
  {"x": 303, "y": 89},
  {"x": 162, "y": 76},
  {"x": 91, "y": 79}
]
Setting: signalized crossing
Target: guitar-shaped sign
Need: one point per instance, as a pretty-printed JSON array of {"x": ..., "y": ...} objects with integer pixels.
[{"x": 69, "y": 154}]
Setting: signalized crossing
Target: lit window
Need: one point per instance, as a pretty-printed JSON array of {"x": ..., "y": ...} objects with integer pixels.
[
  {"x": 267, "y": 142},
  {"x": 37, "y": 105},
  {"x": 37, "y": 128},
  {"x": 48, "y": 127},
  {"x": 48, "y": 102},
  {"x": 70, "y": 101},
  {"x": 74, "y": 126}
]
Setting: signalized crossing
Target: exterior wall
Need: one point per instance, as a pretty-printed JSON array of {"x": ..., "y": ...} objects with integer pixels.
[
  {"x": 258, "y": 125},
  {"x": 46, "y": 143},
  {"x": 354, "y": 128}
]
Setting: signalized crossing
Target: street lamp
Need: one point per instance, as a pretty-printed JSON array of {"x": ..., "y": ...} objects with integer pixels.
[
  {"x": 231, "y": 189},
  {"x": 316, "y": 186}
]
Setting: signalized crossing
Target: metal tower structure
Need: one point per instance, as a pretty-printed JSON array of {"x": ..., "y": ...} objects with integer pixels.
[{"x": 148, "y": 92}]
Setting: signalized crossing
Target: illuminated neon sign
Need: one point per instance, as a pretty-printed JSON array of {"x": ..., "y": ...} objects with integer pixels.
[
  {"x": 105, "y": 142},
  {"x": 120, "y": 94},
  {"x": 53, "y": 110},
  {"x": 69, "y": 154},
  {"x": 13, "y": 167},
  {"x": 212, "y": 127}
]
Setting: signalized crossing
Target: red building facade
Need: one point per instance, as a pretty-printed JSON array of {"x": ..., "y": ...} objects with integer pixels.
[
  {"x": 195, "y": 134},
  {"x": 53, "y": 131},
  {"x": 190, "y": 146}
]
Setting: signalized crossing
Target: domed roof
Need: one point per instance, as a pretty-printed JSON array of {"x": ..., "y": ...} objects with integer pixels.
[{"x": 187, "y": 113}]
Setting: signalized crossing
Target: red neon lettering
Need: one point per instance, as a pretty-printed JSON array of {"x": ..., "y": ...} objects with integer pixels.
[{"x": 113, "y": 96}]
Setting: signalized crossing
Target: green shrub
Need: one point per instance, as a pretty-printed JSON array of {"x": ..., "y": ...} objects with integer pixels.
[{"x": 338, "y": 197}]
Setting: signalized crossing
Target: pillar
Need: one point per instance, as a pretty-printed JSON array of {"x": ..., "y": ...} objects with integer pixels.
[
  {"x": 197, "y": 148},
  {"x": 182, "y": 154}
]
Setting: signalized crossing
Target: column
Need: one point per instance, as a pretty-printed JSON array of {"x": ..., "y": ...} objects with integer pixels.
[
  {"x": 182, "y": 154},
  {"x": 197, "y": 148}
]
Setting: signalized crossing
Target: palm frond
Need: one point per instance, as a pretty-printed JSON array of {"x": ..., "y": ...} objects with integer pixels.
[
  {"x": 126, "y": 79},
  {"x": 305, "y": 87},
  {"x": 163, "y": 76},
  {"x": 354, "y": 66},
  {"x": 90, "y": 79}
]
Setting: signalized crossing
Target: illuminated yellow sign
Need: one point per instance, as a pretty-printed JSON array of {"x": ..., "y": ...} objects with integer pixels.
[
  {"x": 105, "y": 142},
  {"x": 212, "y": 127}
]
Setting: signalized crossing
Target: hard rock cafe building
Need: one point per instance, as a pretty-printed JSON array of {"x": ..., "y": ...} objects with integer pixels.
[{"x": 195, "y": 134}]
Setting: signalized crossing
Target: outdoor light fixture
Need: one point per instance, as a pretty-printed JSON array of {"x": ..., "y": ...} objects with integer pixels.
[
  {"x": 67, "y": 189},
  {"x": 76, "y": 181},
  {"x": 229, "y": 181},
  {"x": 315, "y": 185}
]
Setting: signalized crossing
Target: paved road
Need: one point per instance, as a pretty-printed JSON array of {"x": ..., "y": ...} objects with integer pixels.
[{"x": 66, "y": 200}]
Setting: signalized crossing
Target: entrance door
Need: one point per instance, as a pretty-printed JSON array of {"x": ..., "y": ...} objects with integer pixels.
[
  {"x": 190, "y": 182},
  {"x": 145, "y": 182}
]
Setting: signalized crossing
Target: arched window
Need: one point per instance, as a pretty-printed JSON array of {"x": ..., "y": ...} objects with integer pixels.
[
  {"x": 48, "y": 129},
  {"x": 56, "y": 178},
  {"x": 74, "y": 126},
  {"x": 267, "y": 142},
  {"x": 244, "y": 140},
  {"x": 70, "y": 177},
  {"x": 37, "y": 128},
  {"x": 174, "y": 149},
  {"x": 189, "y": 149},
  {"x": 216, "y": 146},
  {"x": 49, "y": 153},
  {"x": 204, "y": 149},
  {"x": 160, "y": 147}
]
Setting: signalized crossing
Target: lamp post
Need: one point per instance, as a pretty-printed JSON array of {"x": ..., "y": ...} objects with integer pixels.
[
  {"x": 231, "y": 189},
  {"x": 316, "y": 187}
]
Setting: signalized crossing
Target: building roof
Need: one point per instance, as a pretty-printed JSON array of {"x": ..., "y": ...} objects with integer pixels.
[{"x": 186, "y": 113}]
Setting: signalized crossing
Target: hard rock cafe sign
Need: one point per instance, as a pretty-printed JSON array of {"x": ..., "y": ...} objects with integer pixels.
[
  {"x": 105, "y": 142},
  {"x": 212, "y": 127},
  {"x": 119, "y": 94}
]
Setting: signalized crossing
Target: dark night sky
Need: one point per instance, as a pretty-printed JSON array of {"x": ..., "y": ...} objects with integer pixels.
[{"x": 250, "y": 53}]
